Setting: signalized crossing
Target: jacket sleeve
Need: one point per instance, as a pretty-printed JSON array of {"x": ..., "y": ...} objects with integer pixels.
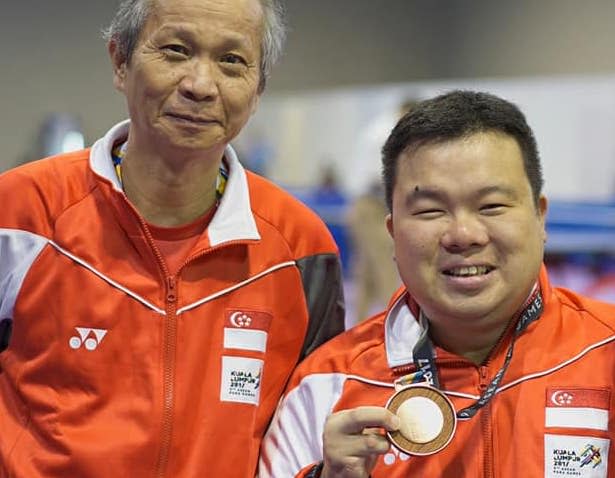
[
  {"x": 18, "y": 250},
  {"x": 323, "y": 288},
  {"x": 23, "y": 230},
  {"x": 293, "y": 443}
]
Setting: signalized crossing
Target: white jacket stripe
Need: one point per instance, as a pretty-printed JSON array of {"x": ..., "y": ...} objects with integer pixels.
[
  {"x": 235, "y": 287},
  {"x": 108, "y": 279},
  {"x": 303, "y": 412},
  {"x": 18, "y": 250}
]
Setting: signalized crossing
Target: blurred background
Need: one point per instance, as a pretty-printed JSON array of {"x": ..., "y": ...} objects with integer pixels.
[{"x": 349, "y": 69}]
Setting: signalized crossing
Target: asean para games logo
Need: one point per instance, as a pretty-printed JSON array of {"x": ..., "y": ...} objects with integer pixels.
[{"x": 590, "y": 455}]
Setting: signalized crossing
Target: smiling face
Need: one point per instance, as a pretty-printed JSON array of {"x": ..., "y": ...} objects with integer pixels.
[
  {"x": 468, "y": 235},
  {"x": 191, "y": 84}
]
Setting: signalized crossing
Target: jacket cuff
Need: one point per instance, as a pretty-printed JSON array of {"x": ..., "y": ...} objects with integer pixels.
[{"x": 311, "y": 471}]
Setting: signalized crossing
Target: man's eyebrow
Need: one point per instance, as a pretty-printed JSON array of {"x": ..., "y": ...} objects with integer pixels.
[
  {"x": 419, "y": 192},
  {"x": 498, "y": 189},
  {"x": 186, "y": 32}
]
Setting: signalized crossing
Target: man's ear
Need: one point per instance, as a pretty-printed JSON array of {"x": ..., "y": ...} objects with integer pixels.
[
  {"x": 389, "y": 223},
  {"x": 118, "y": 62},
  {"x": 543, "y": 205}
]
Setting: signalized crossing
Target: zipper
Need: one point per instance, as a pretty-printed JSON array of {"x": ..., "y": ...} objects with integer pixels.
[
  {"x": 483, "y": 378},
  {"x": 169, "y": 355},
  {"x": 168, "y": 380},
  {"x": 171, "y": 290},
  {"x": 486, "y": 414},
  {"x": 169, "y": 339},
  {"x": 169, "y": 349},
  {"x": 485, "y": 419},
  {"x": 404, "y": 369}
]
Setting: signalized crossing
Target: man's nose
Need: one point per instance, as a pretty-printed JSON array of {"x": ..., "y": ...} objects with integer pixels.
[
  {"x": 198, "y": 82},
  {"x": 463, "y": 232}
]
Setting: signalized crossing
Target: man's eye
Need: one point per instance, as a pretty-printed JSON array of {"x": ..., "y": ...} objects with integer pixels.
[
  {"x": 429, "y": 213},
  {"x": 178, "y": 49},
  {"x": 233, "y": 59},
  {"x": 493, "y": 208}
]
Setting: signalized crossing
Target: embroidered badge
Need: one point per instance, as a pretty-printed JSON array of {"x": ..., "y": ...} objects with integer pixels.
[
  {"x": 246, "y": 330},
  {"x": 577, "y": 408},
  {"x": 579, "y": 456},
  {"x": 241, "y": 380}
]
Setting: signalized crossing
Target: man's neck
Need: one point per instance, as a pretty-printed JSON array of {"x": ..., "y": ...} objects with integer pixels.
[
  {"x": 170, "y": 192},
  {"x": 474, "y": 343}
]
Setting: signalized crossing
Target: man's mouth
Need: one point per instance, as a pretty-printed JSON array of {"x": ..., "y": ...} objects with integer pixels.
[
  {"x": 191, "y": 118},
  {"x": 468, "y": 271}
]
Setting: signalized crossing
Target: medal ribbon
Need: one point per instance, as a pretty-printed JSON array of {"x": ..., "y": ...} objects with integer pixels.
[{"x": 425, "y": 362}]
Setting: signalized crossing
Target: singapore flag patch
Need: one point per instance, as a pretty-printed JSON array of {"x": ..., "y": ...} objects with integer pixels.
[
  {"x": 580, "y": 455},
  {"x": 246, "y": 330}
]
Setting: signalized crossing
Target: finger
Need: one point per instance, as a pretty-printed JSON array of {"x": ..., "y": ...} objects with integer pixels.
[
  {"x": 369, "y": 444},
  {"x": 376, "y": 430},
  {"x": 359, "y": 445},
  {"x": 356, "y": 420},
  {"x": 356, "y": 457}
]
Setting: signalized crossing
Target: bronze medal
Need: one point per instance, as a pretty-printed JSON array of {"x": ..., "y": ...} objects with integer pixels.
[{"x": 428, "y": 419}]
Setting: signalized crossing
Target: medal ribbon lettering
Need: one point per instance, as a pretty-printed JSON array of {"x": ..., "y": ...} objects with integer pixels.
[{"x": 424, "y": 358}]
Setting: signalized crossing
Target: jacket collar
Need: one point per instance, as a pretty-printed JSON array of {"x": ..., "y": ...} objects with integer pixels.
[
  {"x": 233, "y": 220},
  {"x": 401, "y": 332}
]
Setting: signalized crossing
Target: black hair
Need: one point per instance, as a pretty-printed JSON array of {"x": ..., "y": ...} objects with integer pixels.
[{"x": 458, "y": 114}]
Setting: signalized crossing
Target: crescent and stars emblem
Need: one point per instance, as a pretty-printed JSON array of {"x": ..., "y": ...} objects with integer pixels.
[
  {"x": 561, "y": 398},
  {"x": 240, "y": 319}
]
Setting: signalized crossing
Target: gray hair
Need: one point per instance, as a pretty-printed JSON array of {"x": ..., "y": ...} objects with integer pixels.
[{"x": 131, "y": 15}]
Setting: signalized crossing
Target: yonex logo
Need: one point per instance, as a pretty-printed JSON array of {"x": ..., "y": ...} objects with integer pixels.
[
  {"x": 89, "y": 338},
  {"x": 241, "y": 319},
  {"x": 393, "y": 455}
]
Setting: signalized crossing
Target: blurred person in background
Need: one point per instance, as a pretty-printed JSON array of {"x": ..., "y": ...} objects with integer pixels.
[
  {"x": 58, "y": 133},
  {"x": 363, "y": 161},
  {"x": 374, "y": 274},
  {"x": 330, "y": 203},
  {"x": 479, "y": 366},
  {"x": 154, "y": 295}
]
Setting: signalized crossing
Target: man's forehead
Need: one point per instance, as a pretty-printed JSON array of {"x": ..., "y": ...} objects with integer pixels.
[
  {"x": 489, "y": 158},
  {"x": 479, "y": 142},
  {"x": 252, "y": 8},
  {"x": 234, "y": 18}
]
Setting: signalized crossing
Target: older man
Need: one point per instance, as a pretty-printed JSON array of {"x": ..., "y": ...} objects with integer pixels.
[
  {"x": 479, "y": 367},
  {"x": 154, "y": 295}
]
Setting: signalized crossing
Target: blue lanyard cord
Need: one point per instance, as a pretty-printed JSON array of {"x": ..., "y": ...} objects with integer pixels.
[{"x": 424, "y": 358}]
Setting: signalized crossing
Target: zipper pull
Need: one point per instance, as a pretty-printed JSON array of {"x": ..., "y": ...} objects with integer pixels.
[
  {"x": 171, "y": 292},
  {"x": 483, "y": 378}
]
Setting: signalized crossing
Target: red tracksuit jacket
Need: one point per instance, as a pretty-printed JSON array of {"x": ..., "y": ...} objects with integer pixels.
[
  {"x": 553, "y": 414},
  {"x": 116, "y": 367}
]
